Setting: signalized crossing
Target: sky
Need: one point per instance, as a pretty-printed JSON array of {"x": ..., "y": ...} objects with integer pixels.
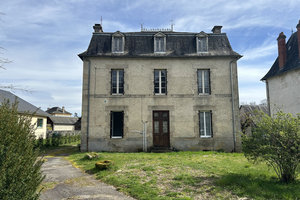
[{"x": 42, "y": 39}]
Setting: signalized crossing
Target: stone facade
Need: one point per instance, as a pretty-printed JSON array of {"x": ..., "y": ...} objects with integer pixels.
[{"x": 182, "y": 101}]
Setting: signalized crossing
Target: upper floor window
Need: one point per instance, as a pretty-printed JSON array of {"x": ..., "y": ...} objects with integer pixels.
[
  {"x": 159, "y": 43},
  {"x": 205, "y": 123},
  {"x": 160, "y": 81},
  {"x": 118, "y": 42},
  {"x": 117, "y": 81},
  {"x": 202, "y": 42},
  {"x": 39, "y": 123},
  {"x": 203, "y": 81}
]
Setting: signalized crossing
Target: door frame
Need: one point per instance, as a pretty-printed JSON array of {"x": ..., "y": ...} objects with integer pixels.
[{"x": 168, "y": 140}]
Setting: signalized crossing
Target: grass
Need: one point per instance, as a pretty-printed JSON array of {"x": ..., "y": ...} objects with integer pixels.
[{"x": 188, "y": 175}]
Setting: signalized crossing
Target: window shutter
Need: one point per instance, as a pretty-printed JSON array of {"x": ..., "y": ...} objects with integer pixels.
[
  {"x": 211, "y": 124},
  {"x": 209, "y": 85},
  {"x": 166, "y": 82},
  {"x": 111, "y": 124}
]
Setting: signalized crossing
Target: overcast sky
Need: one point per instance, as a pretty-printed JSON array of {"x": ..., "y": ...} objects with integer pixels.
[{"x": 43, "y": 37}]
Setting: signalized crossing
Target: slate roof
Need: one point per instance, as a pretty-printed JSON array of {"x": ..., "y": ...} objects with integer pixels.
[
  {"x": 141, "y": 44},
  {"x": 23, "y": 106},
  {"x": 57, "y": 110},
  {"x": 292, "y": 60},
  {"x": 63, "y": 120}
]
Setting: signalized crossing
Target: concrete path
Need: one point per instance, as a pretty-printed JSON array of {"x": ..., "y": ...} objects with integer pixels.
[{"x": 63, "y": 181}]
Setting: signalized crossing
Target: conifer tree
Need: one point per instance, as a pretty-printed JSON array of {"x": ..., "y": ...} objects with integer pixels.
[{"x": 20, "y": 166}]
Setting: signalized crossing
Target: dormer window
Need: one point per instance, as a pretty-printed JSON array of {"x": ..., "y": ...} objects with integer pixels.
[
  {"x": 118, "y": 42},
  {"x": 202, "y": 42},
  {"x": 159, "y": 43}
]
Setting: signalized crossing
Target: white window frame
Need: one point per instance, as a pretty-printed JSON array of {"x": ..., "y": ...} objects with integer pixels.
[
  {"x": 202, "y": 35},
  {"x": 160, "y": 82},
  {"x": 203, "y": 82},
  {"x": 117, "y": 82},
  {"x": 204, "y": 123},
  {"x": 161, "y": 48},
  {"x": 116, "y": 38}
]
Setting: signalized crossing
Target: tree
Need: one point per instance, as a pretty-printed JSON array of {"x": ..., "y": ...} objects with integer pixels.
[
  {"x": 275, "y": 140},
  {"x": 20, "y": 166}
]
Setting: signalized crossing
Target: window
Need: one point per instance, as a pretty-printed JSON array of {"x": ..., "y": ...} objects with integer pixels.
[
  {"x": 202, "y": 42},
  {"x": 117, "y": 81},
  {"x": 118, "y": 45},
  {"x": 39, "y": 123},
  {"x": 117, "y": 42},
  {"x": 203, "y": 81},
  {"x": 160, "y": 81},
  {"x": 116, "y": 124},
  {"x": 205, "y": 125},
  {"x": 159, "y": 43}
]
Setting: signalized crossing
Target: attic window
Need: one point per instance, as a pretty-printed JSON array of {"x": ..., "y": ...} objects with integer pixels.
[
  {"x": 159, "y": 43},
  {"x": 202, "y": 42},
  {"x": 118, "y": 42}
]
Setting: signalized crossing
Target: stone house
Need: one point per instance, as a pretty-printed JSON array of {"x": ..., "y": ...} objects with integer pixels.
[
  {"x": 283, "y": 79},
  {"x": 179, "y": 89},
  {"x": 38, "y": 116}
]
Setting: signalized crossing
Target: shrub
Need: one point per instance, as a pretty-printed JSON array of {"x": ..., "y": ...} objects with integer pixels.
[
  {"x": 275, "y": 140},
  {"x": 20, "y": 173}
]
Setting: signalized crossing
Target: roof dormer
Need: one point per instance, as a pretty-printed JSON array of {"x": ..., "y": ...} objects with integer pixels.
[
  {"x": 202, "y": 42},
  {"x": 159, "y": 43},
  {"x": 118, "y": 42}
]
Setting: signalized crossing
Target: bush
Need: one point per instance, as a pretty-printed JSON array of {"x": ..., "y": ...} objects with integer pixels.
[
  {"x": 20, "y": 173},
  {"x": 277, "y": 141}
]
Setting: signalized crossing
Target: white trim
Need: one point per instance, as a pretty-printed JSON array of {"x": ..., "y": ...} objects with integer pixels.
[{"x": 116, "y": 137}]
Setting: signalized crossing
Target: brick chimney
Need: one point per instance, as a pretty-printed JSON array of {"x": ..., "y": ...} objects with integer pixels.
[
  {"x": 98, "y": 28},
  {"x": 281, "y": 50},
  {"x": 216, "y": 29},
  {"x": 298, "y": 35}
]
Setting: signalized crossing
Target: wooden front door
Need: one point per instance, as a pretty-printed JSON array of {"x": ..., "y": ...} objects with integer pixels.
[{"x": 161, "y": 129}]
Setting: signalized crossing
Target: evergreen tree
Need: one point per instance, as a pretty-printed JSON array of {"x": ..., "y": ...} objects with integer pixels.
[{"x": 20, "y": 173}]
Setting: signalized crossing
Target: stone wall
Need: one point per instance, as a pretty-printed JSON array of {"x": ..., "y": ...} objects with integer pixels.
[{"x": 182, "y": 101}]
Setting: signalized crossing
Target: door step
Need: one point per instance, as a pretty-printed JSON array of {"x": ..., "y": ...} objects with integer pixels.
[{"x": 160, "y": 149}]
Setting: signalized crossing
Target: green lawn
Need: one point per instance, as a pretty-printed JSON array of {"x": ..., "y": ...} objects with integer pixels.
[{"x": 189, "y": 175}]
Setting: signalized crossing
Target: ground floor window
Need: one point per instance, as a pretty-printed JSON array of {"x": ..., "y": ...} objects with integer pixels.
[
  {"x": 116, "y": 124},
  {"x": 205, "y": 123}
]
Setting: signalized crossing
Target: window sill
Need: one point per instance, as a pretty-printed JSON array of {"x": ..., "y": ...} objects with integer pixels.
[
  {"x": 160, "y": 95},
  {"x": 116, "y": 137},
  {"x": 115, "y": 94},
  {"x": 205, "y": 136},
  {"x": 160, "y": 52},
  {"x": 204, "y": 94}
]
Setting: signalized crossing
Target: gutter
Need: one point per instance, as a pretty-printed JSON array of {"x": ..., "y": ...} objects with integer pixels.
[
  {"x": 88, "y": 106},
  {"x": 232, "y": 105}
]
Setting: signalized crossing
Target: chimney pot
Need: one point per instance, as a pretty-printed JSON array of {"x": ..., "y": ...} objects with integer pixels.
[
  {"x": 281, "y": 50},
  {"x": 216, "y": 29},
  {"x": 98, "y": 28}
]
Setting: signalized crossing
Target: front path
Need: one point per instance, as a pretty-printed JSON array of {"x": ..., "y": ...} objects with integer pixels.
[{"x": 63, "y": 181}]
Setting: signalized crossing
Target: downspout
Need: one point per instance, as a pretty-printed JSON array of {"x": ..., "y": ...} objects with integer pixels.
[
  {"x": 232, "y": 105},
  {"x": 88, "y": 106},
  {"x": 268, "y": 98}
]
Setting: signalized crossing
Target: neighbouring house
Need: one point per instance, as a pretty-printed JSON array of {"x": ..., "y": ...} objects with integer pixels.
[
  {"x": 283, "y": 79},
  {"x": 39, "y": 117},
  {"x": 180, "y": 89},
  {"x": 61, "y": 123},
  {"x": 247, "y": 112},
  {"x": 57, "y": 111}
]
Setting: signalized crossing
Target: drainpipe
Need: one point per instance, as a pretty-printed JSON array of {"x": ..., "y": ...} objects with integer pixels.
[
  {"x": 268, "y": 98},
  {"x": 88, "y": 106},
  {"x": 232, "y": 105}
]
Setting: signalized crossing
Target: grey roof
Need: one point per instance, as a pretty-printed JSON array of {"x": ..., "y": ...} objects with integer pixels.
[
  {"x": 57, "y": 110},
  {"x": 141, "y": 44},
  {"x": 292, "y": 60},
  {"x": 63, "y": 120},
  {"x": 23, "y": 106}
]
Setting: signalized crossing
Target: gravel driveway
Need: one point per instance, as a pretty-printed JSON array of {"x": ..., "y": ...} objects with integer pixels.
[{"x": 63, "y": 181}]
